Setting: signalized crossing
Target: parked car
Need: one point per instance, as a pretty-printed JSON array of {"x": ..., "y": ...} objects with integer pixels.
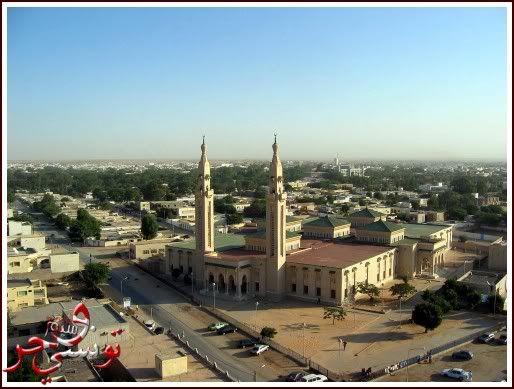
[
  {"x": 158, "y": 330},
  {"x": 217, "y": 326},
  {"x": 227, "y": 329},
  {"x": 459, "y": 374},
  {"x": 314, "y": 378},
  {"x": 296, "y": 376},
  {"x": 463, "y": 355},
  {"x": 246, "y": 343},
  {"x": 259, "y": 349},
  {"x": 486, "y": 338},
  {"x": 150, "y": 324}
]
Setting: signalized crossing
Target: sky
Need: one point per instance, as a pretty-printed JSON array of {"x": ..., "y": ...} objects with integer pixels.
[{"x": 141, "y": 83}]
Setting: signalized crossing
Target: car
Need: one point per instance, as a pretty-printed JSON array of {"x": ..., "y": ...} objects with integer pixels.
[
  {"x": 226, "y": 330},
  {"x": 150, "y": 324},
  {"x": 158, "y": 330},
  {"x": 314, "y": 378},
  {"x": 295, "y": 376},
  {"x": 259, "y": 349},
  {"x": 502, "y": 339},
  {"x": 217, "y": 326},
  {"x": 463, "y": 355},
  {"x": 246, "y": 343},
  {"x": 486, "y": 338},
  {"x": 459, "y": 374}
]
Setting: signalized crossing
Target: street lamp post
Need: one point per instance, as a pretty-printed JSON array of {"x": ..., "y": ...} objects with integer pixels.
[
  {"x": 408, "y": 357},
  {"x": 121, "y": 285},
  {"x": 256, "y": 305},
  {"x": 214, "y": 295}
]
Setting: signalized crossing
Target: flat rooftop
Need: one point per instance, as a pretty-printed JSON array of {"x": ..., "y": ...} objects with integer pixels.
[
  {"x": 238, "y": 254},
  {"x": 16, "y": 283},
  {"x": 479, "y": 278},
  {"x": 339, "y": 255},
  {"x": 222, "y": 242},
  {"x": 416, "y": 231}
]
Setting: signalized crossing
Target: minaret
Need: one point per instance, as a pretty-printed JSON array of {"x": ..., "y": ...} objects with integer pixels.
[
  {"x": 275, "y": 230},
  {"x": 204, "y": 222}
]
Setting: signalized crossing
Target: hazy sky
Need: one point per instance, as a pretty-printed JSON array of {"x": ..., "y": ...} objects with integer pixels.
[{"x": 122, "y": 83}]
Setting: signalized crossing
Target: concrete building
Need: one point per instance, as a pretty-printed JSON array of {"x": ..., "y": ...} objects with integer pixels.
[
  {"x": 18, "y": 228},
  {"x": 328, "y": 227},
  {"x": 434, "y": 216},
  {"x": 24, "y": 260},
  {"x": 32, "y": 241},
  {"x": 365, "y": 216},
  {"x": 497, "y": 260},
  {"x": 146, "y": 249},
  {"x": 293, "y": 224},
  {"x": 63, "y": 261},
  {"x": 487, "y": 283},
  {"x": 488, "y": 200},
  {"x": 23, "y": 293}
]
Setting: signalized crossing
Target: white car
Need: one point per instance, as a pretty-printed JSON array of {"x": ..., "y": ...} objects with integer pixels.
[
  {"x": 259, "y": 348},
  {"x": 459, "y": 374},
  {"x": 150, "y": 324},
  {"x": 314, "y": 378}
]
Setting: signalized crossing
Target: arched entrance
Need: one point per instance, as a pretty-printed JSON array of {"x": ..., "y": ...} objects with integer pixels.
[
  {"x": 244, "y": 286},
  {"x": 211, "y": 278},
  {"x": 231, "y": 285},
  {"x": 221, "y": 284}
]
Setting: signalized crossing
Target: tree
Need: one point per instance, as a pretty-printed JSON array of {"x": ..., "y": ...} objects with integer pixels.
[
  {"x": 457, "y": 213},
  {"x": 62, "y": 221},
  {"x": 369, "y": 289},
  {"x": 427, "y": 315},
  {"x": 334, "y": 313},
  {"x": 96, "y": 273},
  {"x": 24, "y": 373},
  {"x": 344, "y": 209},
  {"x": 84, "y": 226},
  {"x": 463, "y": 184},
  {"x": 10, "y": 197},
  {"x": 234, "y": 218},
  {"x": 500, "y": 302},
  {"x": 24, "y": 217},
  {"x": 268, "y": 332},
  {"x": 256, "y": 210},
  {"x": 402, "y": 290},
  {"x": 149, "y": 227}
]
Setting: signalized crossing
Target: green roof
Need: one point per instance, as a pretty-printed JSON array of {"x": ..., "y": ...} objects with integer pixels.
[
  {"x": 327, "y": 222},
  {"x": 382, "y": 226},
  {"x": 416, "y": 231},
  {"x": 262, "y": 234},
  {"x": 222, "y": 242},
  {"x": 366, "y": 212}
]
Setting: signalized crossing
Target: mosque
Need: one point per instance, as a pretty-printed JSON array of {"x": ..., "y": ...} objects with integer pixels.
[{"x": 325, "y": 262}]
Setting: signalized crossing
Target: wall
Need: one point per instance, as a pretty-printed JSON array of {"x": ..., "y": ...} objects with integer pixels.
[
  {"x": 498, "y": 256},
  {"x": 18, "y": 228},
  {"x": 26, "y": 296},
  {"x": 65, "y": 262}
]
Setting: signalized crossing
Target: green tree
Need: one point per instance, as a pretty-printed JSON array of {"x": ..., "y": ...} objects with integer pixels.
[
  {"x": 457, "y": 213},
  {"x": 370, "y": 290},
  {"x": 268, "y": 332},
  {"x": 256, "y": 210},
  {"x": 24, "y": 373},
  {"x": 84, "y": 226},
  {"x": 428, "y": 316},
  {"x": 402, "y": 290},
  {"x": 62, "y": 221},
  {"x": 234, "y": 218},
  {"x": 24, "y": 217},
  {"x": 463, "y": 184},
  {"x": 96, "y": 273},
  {"x": 10, "y": 197},
  {"x": 334, "y": 313},
  {"x": 149, "y": 227},
  {"x": 500, "y": 302}
]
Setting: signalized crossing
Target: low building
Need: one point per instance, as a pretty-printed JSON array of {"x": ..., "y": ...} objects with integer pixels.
[
  {"x": 327, "y": 227},
  {"x": 365, "y": 216},
  {"x": 143, "y": 206},
  {"x": 434, "y": 216},
  {"x": 18, "y": 228},
  {"x": 146, "y": 249},
  {"x": 23, "y": 293},
  {"x": 20, "y": 260},
  {"x": 63, "y": 261},
  {"x": 10, "y": 213},
  {"x": 487, "y": 283},
  {"x": 488, "y": 200},
  {"x": 293, "y": 224},
  {"x": 298, "y": 184},
  {"x": 32, "y": 241},
  {"x": 497, "y": 259}
]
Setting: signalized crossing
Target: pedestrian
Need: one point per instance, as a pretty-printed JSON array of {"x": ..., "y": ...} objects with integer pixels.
[
  {"x": 319, "y": 300},
  {"x": 344, "y": 345}
]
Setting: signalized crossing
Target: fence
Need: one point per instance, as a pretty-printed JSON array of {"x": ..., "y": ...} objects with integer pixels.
[{"x": 424, "y": 357}]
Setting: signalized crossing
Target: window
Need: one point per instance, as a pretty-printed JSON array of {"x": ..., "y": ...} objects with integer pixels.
[
  {"x": 293, "y": 288},
  {"x": 146, "y": 251},
  {"x": 256, "y": 286},
  {"x": 154, "y": 251},
  {"x": 378, "y": 276},
  {"x": 190, "y": 269},
  {"x": 306, "y": 289},
  {"x": 318, "y": 292},
  {"x": 333, "y": 293},
  {"x": 25, "y": 331},
  {"x": 345, "y": 293},
  {"x": 22, "y": 293},
  {"x": 390, "y": 272},
  {"x": 384, "y": 275}
]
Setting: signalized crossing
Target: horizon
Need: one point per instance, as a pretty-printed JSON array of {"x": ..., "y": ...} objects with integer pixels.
[{"x": 365, "y": 83}]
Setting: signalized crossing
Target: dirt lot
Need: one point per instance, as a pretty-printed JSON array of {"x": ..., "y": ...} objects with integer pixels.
[{"x": 488, "y": 365}]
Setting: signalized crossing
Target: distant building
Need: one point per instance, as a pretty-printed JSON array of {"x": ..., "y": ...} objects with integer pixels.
[
  {"x": 434, "y": 216},
  {"x": 487, "y": 283},
  {"x": 148, "y": 248},
  {"x": 63, "y": 261},
  {"x": 23, "y": 293},
  {"x": 329, "y": 227},
  {"x": 365, "y": 216},
  {"x": 497, "y": 259},
  {"x": 488, "y": 200},
  {"x": 18, "y": 228}
]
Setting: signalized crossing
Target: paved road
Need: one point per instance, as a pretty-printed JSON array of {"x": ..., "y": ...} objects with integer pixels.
[{"x": 488, "y": 365}]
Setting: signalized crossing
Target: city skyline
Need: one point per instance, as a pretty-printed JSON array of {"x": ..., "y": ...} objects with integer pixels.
[{"x": 367, "y": 84}]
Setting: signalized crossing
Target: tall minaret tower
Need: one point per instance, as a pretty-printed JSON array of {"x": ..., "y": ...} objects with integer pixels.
[
  {"x": 275, "y": 230},
  {"x": 204, "y": 222}
]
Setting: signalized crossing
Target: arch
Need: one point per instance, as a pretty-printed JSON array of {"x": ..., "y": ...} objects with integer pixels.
[
  {"x": 211, "y": 278},
  {"x": 221, "y": 283},
  {"x": 231, "y": 285},
  {"x": 244, "y": 285}
]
